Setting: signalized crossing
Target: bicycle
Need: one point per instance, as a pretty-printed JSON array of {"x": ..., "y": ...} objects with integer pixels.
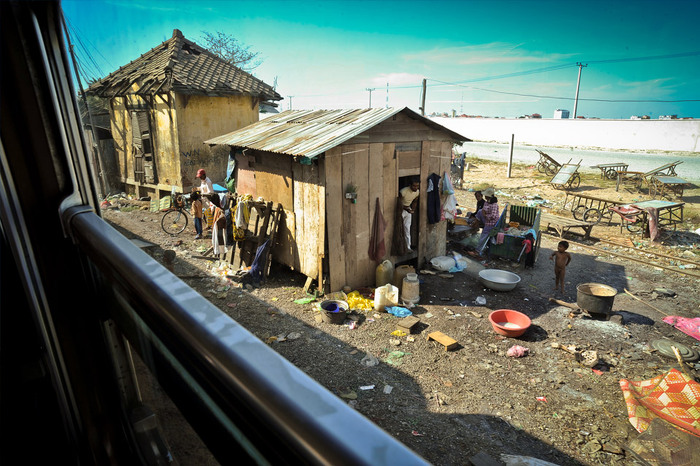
[{"x": 176, "y": 218}]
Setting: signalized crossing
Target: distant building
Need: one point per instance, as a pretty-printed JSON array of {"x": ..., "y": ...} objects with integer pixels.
[
  {"x": 561, "y": 114},
  {"x": 668, "y": 117}
]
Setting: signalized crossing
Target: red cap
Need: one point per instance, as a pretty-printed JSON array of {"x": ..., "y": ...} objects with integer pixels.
[{"x": 201, "y": 173}]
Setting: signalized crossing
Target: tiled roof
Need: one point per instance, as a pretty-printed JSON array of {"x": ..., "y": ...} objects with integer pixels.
[
  {"x": 181, "y": 65},
  {"x": 309, "y": 133}
]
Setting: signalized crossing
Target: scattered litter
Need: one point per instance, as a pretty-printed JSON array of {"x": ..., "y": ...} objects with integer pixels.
[
  {"x": 388, "y": 389},
  {"x": 395, "y": 342},
  {"x": 410, "y": 338},
  {"x": 588, "y": 358},
  {"x": 232, "y": 305},
  {"x": 428, "y": 272},
  {"x": 354, "y": 351},
  {"x": 428, "y": 315},
  {"x": 542, "y": 398},
  {"x": 395, "y": 358},
  {"x": 398, "y": 311},
  {"x": 304, "y": 300},
  {"x": 369, "y": 360},
  {"x": 352, "y": 403},
  {"x": 352, "y": 325},
  {"x": 349, "y": 395},
  {"x": 597, "y": 372},
  {"x": 476, "y": 314},
  {"x": 271, "y": 340},
  {"x": 446, "y": 275},
  {"x": 399, "y": 333},
  {"x": 293, "y": 336},
  {"x": 480, "y": 300},
  {"x": 517, "y": 351},
  {"x": 367, "y": 387},
  {"x": 417, "y": 434},
  {"x": 517, "y": 460}
]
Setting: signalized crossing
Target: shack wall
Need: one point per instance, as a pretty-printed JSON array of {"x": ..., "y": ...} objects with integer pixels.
[{"x": 203, "y": 117}]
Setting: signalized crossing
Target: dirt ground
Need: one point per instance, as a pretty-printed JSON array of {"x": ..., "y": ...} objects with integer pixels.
[{"x": 451, "y": 405}]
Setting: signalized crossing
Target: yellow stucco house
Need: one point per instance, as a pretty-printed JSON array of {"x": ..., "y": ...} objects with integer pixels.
[{"x": 164, "y": 104}]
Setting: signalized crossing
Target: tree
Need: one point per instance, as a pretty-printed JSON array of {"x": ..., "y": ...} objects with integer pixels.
[{"x": 231, "y": 49}]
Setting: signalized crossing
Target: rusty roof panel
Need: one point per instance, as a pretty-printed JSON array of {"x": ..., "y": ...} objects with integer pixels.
[{"x": 310, "y": 133}]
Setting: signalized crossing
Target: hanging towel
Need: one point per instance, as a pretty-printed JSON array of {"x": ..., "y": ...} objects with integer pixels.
[
  {"x": 653, "y": 220},
  {"x": 377, "y": 248},
  {"x": 500, "y": 237}
]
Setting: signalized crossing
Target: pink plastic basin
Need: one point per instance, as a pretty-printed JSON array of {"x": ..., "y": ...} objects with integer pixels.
[{"x": 509, "y": 322}]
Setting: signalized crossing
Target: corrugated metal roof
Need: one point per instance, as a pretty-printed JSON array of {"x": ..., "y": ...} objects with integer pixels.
[{"x": 312, "y": 132}]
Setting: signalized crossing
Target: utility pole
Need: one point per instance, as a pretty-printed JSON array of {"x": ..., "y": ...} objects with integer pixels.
[
  {"x": 290, "y": 101},
  {"x": 387, "y": 95},
  {"x": 578, "y": 83},
  {"x": 422, "y": 100},
  {"x": 370, "y": 95}
]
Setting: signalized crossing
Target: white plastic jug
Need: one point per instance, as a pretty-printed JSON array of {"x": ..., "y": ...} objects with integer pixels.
[{"x": 387, "y": 295}]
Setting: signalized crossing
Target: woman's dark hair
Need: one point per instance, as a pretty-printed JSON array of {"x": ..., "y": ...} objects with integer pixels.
[
  {"x": 493, "y": 200},
  {"x": 214, "y": 199}
]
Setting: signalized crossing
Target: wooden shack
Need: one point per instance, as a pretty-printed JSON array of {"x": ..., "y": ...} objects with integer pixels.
[{"x": 328, "y": 168}]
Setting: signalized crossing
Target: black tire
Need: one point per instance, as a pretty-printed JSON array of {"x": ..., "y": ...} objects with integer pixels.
[
  {"x": 575, "y": 182},
  {"x": 551, "y": 169},
  {"x": 174, "y": 222},
  {"x": 611, "y": 174},
  {"x": 578, "y": 211},
  {"x": 592, "y": 216},
  {"x": 540, "y": 167}
]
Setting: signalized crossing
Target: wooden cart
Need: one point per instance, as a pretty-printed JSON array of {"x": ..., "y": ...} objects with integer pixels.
[
  {"x": 637, "y": 179},
  {"x": 589, "y": 208},
  {"x": 666, "y": 186},
  {"x": 610, "y": 170},
  {"x": 547, "y": 164},
  {"x": 635, "y": 217},
  {"x": 564, "y": 225},
  {"x": 567, "y": 177}
]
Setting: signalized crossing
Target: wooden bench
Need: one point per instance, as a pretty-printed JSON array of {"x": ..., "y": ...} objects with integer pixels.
[{"x": 563, "y": 225}]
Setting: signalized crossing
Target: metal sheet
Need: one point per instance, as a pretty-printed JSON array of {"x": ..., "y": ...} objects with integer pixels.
[{"x": 310, "y": 133}]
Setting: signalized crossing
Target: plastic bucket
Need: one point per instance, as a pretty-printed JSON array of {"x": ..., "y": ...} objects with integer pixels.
[{"x": 333, "y": 311}]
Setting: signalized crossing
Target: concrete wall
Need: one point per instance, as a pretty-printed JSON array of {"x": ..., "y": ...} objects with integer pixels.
[
  {"x": 643, "y": 135},
  {"x": 200, "y": 118}
]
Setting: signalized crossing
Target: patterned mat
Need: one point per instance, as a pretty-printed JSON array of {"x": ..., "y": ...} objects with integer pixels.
[{"x": 672, "y": 396}]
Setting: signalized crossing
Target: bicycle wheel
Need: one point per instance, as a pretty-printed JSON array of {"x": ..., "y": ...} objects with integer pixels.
[
  {"x": 575, "y": 182},
  {"x": 551, "y": 169},
  {"x": 174, "y": 221}
]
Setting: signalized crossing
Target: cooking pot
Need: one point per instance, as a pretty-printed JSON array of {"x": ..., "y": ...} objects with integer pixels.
[{"x": 595, "y": 298}]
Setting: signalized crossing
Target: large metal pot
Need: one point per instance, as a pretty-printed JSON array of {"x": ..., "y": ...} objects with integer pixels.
[{"x": 595, "y": 298}]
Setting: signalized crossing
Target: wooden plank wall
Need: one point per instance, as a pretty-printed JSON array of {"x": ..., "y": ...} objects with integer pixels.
[
  {"x": 309, "y": 224},
  {"x": 435, "y": 158},
  {"x": 372, "y": 169}
]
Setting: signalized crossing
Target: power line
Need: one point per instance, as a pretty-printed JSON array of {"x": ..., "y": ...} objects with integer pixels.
[{"x": 562, "y": 98}]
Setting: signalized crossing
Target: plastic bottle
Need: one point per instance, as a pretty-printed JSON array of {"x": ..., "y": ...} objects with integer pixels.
[
  {"x": 387, "y": 295},
  {"x": 400, "y": 272},
  {"x": 384, "y": 273},
  {"x": 410, "y": 291}
]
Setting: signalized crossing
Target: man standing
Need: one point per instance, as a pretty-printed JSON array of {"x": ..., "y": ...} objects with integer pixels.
[
  {"x": 206, "y": 187},
  {"x": 409, "y": 201}
]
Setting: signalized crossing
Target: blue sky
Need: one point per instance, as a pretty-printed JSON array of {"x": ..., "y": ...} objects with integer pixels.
[{"x": 490, "y": 58}]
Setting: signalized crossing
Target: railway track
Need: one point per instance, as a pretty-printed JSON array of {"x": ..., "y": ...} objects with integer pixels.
[{"x": 646, "y": 260}]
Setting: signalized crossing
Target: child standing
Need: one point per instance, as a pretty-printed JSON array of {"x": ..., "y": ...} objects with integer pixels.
[
  {"x": 529, "y": 250},
  {"x": 196, "y": 199},
  {"x": 561, "y": 260}
]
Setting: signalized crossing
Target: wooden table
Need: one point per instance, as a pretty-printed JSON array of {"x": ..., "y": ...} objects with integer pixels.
[{"x": 563, "y": 225}]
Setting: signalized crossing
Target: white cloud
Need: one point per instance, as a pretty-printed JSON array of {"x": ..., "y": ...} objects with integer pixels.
[{"x": 492, "y": 53}]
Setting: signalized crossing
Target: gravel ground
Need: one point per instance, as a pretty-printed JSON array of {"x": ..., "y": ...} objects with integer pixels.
[{"x": 451, "y": 405}]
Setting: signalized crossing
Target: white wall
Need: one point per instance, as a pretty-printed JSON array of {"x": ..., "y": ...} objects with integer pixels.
[{"x": 654, "y": 135}]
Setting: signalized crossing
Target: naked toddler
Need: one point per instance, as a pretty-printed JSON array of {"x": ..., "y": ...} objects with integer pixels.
[{"x": 561, "y": 260}]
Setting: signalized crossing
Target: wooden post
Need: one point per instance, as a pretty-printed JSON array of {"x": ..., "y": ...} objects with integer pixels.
[{"x": 510, "y": 159}]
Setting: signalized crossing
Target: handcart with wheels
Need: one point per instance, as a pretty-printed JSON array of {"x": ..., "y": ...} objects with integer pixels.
[
  {"x": 567, "y": 177},
  {"x": 610, "y": 170},
  {"x": 635, "y": 217},
  {"x": 589, "y": 208},
  {"x": 547, "y": 164}
]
